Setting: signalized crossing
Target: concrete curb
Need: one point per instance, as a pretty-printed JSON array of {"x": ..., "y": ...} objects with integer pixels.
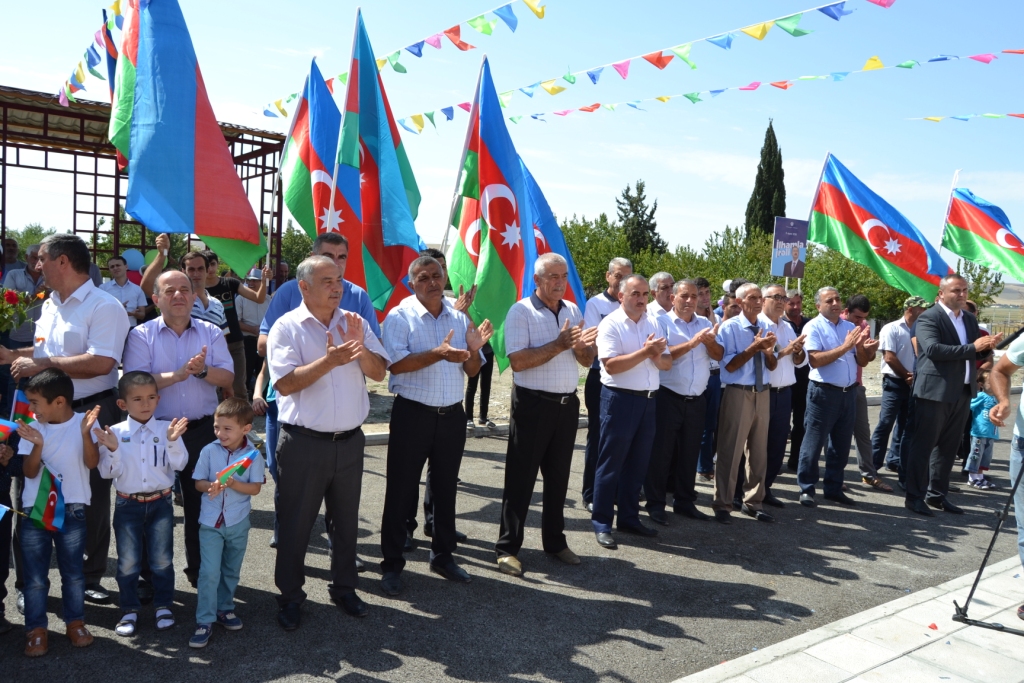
[{"x": 381, "y": 438}]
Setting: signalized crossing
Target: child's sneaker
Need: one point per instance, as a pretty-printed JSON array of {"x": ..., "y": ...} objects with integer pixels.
[
  {"x": 229, "y": 621},
  {"x": 985, "y": 483},
  {"x": 201, "y": 636}
]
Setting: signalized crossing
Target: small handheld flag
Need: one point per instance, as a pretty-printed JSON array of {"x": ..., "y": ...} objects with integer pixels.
[
  {"x": 7, "y": 428},
  {"x": 22, "y": 409},
  {"x": 48, "y": 510},
  {"x": 237, "y": 468}
]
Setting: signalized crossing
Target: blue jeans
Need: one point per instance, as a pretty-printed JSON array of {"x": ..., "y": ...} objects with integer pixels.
[
  {"x": 713, "y": 398},
  {"x": 145, "y": 527},
  {"x": 627, "y": 436},
  {"x": 36, "y": 545},
  {"x": 892, "y": 413},
  {"x": 980, "y": 456},
  {"x": 273, "y": 430},
  {"x": 222, "y": 551},
  {"x": 828, "y": 423},
  {"x": 1016, "y": 449}
]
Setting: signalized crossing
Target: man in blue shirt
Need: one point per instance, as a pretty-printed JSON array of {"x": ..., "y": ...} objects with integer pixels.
[{"x": 835, "y": 348}]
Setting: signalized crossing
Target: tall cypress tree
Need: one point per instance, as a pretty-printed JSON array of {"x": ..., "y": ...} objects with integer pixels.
[
  {"x": 637, "y": 221},
  {"x": 768, "y": 199}
]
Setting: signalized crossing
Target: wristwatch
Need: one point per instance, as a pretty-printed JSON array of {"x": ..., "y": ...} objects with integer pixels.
[{"x": 202, "y": 375}]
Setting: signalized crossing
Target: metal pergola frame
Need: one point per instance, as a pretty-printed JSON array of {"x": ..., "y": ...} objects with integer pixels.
[{"x": 37, "y": 133}]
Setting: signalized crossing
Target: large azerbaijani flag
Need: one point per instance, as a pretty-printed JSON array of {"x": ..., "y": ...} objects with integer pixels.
[
  {"x": 181, "y": 175},
  {"x": 490, "y": 208},
  {"x": 848, "y": 217},
  {"x": 980, "y": 231},
  {"x": 375, "y": 184},
  {"x": 307, "y": 164}
]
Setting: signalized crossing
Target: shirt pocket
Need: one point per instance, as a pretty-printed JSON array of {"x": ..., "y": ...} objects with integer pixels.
[{"x": 73, "y": 340}]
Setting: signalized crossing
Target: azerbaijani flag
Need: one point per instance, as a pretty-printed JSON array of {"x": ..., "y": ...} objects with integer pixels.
[
  {"x": 492, "y": 205},
  {"x": 376, "y": 186},
  {"x": 22, "y": 409},
  {"x": 979, "y": 231},
  {"x": 181, "y": 176},
  {"x": 7, "y": 428},
  {"x": 48, "y": 510},
  {"x": 122, "y": 99},
  {"x": 238, "y": 467},
  {"x": 848, "y": 217},
  {"x": 307, "y": 165}
]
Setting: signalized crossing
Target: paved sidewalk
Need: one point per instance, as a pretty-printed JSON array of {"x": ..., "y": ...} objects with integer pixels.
[{"x": 904, "y": 641}]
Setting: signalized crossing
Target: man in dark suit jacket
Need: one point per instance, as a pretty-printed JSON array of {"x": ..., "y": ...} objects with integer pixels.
[
  {"x": 794, "y": 268},
  {"x": 946, "y": 379}
]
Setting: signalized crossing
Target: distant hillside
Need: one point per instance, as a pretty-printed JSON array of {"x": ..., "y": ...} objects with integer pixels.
[{"x": 1013, "y": 295}]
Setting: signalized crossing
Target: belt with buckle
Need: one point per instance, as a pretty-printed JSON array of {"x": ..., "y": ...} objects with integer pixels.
[
  {"x": 636, "y": 392},
  {"x": 438, "y": 410},
  {"x": 93, "y": 399},
  {"x": 779, "y": 390},
  {"x": 326, "y": 436},
  {"x": 716, "y": 371},
  {"x": 681, "y": 397},
  {"x": 144, "y": 497},
  {"x": 560, "y": 399},
  {"x": 835, "y": 386},
  {"x": 747, "y": 387}
]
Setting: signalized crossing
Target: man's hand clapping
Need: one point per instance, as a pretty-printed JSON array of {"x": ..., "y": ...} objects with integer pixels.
[
  {"x": 344, "y": 353},
  {"x": 449, "y": 353},
  {"x": 476, "y": 337},
  {"x": 654, "y": 347}
]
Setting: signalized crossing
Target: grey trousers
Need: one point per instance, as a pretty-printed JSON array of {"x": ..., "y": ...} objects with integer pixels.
[{"x": 862, "y": 437}]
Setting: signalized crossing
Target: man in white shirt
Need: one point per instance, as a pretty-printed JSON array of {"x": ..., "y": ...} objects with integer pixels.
[
  {"x": 632, "y": 352},
  {"x": 319, "y": 357},
  {"x": 661, "y": 285},
  {"x": 712, "y": 395},
  {"x": 250, "y": 315},
  {"x": 679, "y": 417},
  {"x": 597, "y": 308},
  {"x": 124, "y": 290},
  {"x": 544, "y": 340}
]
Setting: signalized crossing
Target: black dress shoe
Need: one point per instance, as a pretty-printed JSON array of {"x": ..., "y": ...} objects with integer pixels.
[
  {"x": 658, "y": 517},
  {"x": 891, "y": 467},
  {"x": 273, "y": 541},
  {"x": 840, "y": 498},
  {"x": 737, "y": 503},
  {"x": 461, "y": 537},
  {"x": 289, "y": 616},
  {"x": 759, "y": 515},
  {"x": 606, "y": 540},
  {"x": 391, "y": 583},
  {"x": 97, "y": 594},
  {"x": 428, "y": 530},
  {"x": 451, "y": 571},
  {"x": 145, "y": 592},
  {"x": 352, "y": 604},
  {"x": 792, "y": 465},
  {"x": 919, "y": 507},
  {"x": 943, "y": 504},
  {"x": 690, "y": 510},
  {"x": 807, "y": 500},
  {"x": 410, "y": 545},
  {"x": 360, "y": 566},
  {"x": 723, "y": 517},
  {"x": 770, "y": 499},
  {"x": 903, "y": 487},
  {"x": 638, "y": 530}
]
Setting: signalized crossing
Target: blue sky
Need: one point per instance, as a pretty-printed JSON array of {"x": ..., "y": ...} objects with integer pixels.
[{"x": 698, "y": 161}]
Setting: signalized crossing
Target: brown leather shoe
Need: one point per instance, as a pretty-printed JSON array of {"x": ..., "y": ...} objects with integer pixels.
[
  {"x": 79, "y": 634},
  {"x": 35, "y": 643}
]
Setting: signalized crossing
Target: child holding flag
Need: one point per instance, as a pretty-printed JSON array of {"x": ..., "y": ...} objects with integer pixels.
[
  {"x": 141, "y": 455},
  {"x": 230, "y": 472},
  {"x": 58, "y": 454}
]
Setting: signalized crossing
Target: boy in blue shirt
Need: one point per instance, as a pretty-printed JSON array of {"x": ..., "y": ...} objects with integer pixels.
[
  {"x": 230, "y": 472},
  {"x": 983, "y": 435}
]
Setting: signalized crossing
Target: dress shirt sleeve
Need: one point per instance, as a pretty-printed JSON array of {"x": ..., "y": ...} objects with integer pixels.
[
  {"x": 217, "y": 354},
  {"x": 140, "y": 298},
  {"x": 137, "y": 352},
  {"x": 108, "y": 329},
  {"x": 110, "y": 466},
  {"x": 815, "y": 339},
  {"x": 373, "y": 344},
  {"x": 177, "y": 456},
  {"x": 609, "y": 345},
  {"x": 202, "y": 470},
  {"x": 282, "y": 355},
  {"x": 726, "y": 339},
  {"x": 278, "y": 307},
  {"x": 517, "y": 330},
  {"x": 887, "y": 339},
  {"x": 396, "y": 336},
  {"x": 591, "y": 317}
]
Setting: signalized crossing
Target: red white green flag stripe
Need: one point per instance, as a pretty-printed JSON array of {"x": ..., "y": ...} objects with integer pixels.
[{"x": 980, "y": 232}]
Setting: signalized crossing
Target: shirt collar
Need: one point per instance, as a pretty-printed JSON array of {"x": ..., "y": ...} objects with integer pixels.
[
  {"x": 161, "y": 324},
  {"x": 305, "y": 314},
  {"x": 81, "y": 293},
  {"x": 540, "y": 305},
  {"x": 135, "y": 426},
  {"x": 421, "y": 310},
  {"x": 610, "y": 298},
  {"x": 949, "y": 312},
  {"x": 675, "y": 316}
]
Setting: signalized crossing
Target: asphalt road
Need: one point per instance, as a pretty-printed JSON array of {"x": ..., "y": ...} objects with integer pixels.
[{"x": 653, "y": 610}]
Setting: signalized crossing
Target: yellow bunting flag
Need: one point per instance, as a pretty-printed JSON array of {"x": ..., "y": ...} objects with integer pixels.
[
  {"x": 381, "y": 62},
  {"x": 936, "y": 119},
  {"x": 417, "y": 122},
  {"x": 116, "y": 8},
  {"x": 535, "y": 7},
  {"x": 758, "y": 31},
  {"x": 550, "y": 85},
  {"x": 663, "y": 98},
  {"x": 277, "y": 103},
  {"x": 873, "y": 63},
  {"x": 79, "y": 73}
]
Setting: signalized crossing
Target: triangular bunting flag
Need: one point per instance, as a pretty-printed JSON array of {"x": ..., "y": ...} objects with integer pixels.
[
  {"x": 883, "y": 3},
  {"x": 635, "y": 104},
  {"x": 482, "y": 25},
  {"x": 984, "y": 59},
  {"x": 839, "y": 75},
  {"x": 622, "y": 68},
  {"x": 683, "y": 52},
  {"x": 504, "y": 98},
  {"x": 943, "y": 58},
  {"x": 449, "y": 113},
  {"x": 393, "y": 59},
  {"x": 784, "y": 85},
  {"x": 455, "y": 35},
  {"x": 430, "y": 117},
  {"x": 416, "y": 48},
  {"x": 789, "y": 25},
  {"x": 569, "y": 78},
  {"x": 530, "y": 89},
  {"x": 753, "y": 86},
  {"x": 465, "y": 106},
  {"x": 936, "y": 119},
  {"x": 409, "y": 128},
  {"x": 595, "y": 74},
  {"x": 417, "y": 121},
  {"x": 551, "y": 87},
  {"x": 663, "y": 98},
  {"x": 343, "y": 78},
  {"x": 723, "y": 41},
  {"x": 658, "y": 59},
  {"x": 693, "y": 97},
  {"x": 994, "y": 116},
  {"x": 514, "y": 119},
  {"x": 510, "y": 19},
  {"x": 1019, "y": 116},
  {"x": 609, "y": 107},
  {"x": 434, "y": 41},
  {"x": 758, "y": 31},
  {"x": 836, "y": 10},
  {"x": 535, "y": 7},
  {"x": 564, "y": 112},
  {"x": 591, "y": 108},
  {"x": 1013, "y": 52},
  {"x": 909, "y": 64},
  {"x": 716, "y": 93},
  {"x": 381, "y": 63},
  {"x": 872, "y": 64}
]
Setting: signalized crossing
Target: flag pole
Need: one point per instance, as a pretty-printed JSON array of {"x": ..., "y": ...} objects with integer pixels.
[
  {"x": 344, "y": 113},
  {"x": 473, "y": 114},
  {"x": 949, "y": 205},
  {"x": 817, "y": 188}
]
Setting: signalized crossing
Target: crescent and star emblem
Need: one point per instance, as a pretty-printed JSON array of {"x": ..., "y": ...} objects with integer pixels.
[
  {"x": 329, "y": 220},
  {"x": 510, "y": 236},
  {"x": 889, "y": 242}
]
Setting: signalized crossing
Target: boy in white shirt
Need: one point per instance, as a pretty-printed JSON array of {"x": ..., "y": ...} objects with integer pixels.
[
  {"x": 59, "y": 452},
  {"x": 141, "y": 455}
]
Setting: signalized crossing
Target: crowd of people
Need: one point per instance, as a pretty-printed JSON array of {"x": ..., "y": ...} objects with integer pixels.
[{"x": 143, "y": 395}]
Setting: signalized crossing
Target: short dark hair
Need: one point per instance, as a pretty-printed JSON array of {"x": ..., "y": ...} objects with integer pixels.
[
  {"x": 702, "y": 283},
  {"x": 328, "y": 238},
  {"x": 131, "y": 380},
  {"x": 71, "y": 246},
  {"x": 858, "y": 302},
  {"x": 193, "y": 255},
  {"x": 51, "y": 384},
  {"x": 210, "y": 256},
  {"x": 736, "y": 284},
  {"x": 115, "y": 257},
  {"x": 433, "y": 253},
  {"x": 236, "y": 408}
]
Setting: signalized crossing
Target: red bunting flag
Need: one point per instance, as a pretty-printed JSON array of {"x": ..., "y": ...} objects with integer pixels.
[
  {"x": 784, "y": 85},
  {"x": 1013, "y": 52},
  {"x": 658, "y": 59},
  {"x": 455, "y": 35},
  {"x": 594, "y": 107},
  {"x": 1019, "y": 116}
]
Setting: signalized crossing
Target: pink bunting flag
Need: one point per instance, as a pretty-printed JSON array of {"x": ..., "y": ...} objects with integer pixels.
[
  {"x": 597, "y": 105},
  {"x": 658, "y": 59},
  {"x": 564, "y": 112},
  {"x": 434, "y": 40},
  {"x": 466, "y": 106},
  {"x": 753, "y": 86},
  {"x": 984, "y": 59},
  {"x": 883, "y": 3},
  {"x": 784, "y": 85},
  {"x": 63, "y": 97},
  {"x": 622, "y": 68}
]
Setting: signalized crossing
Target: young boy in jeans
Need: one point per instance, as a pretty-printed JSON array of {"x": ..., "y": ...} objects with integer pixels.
[
  {"x": 224, "y": 515},
  {"x": 57, "y": 446},
  {"x": 141, "y": 455}
]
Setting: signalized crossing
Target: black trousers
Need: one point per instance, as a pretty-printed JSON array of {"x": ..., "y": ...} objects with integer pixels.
[
  {"x": 97, "y": 513},
  {"x": 799, "y": 401},
  {"x": 938, "y": 429},
  {"x": 483, "y": 379},
  {"x": 420, "y": 435},
  {"x": 592, "y": 400},
  {"x": 542, "y": 434},
  {"x": 198, "y": 435},
  {"x": 253, "y": 361},
  {"x": 679, "y": 428},
  {"x": 310, "y": 471}
]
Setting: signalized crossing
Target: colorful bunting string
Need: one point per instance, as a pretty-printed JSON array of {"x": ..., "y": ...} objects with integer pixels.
[
  {"x": 92, "y": 58},
  {"x": 966, "y": 117}
]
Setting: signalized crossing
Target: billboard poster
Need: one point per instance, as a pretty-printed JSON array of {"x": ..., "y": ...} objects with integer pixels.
[{"x": 789, "y": 250}]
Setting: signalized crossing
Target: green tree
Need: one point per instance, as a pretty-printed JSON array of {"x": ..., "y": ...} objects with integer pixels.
[
  {"x": 33, "y": 233},
  {"x": 768, "y": 199},
  {"x": 637, "y": 221},
  {"x": 295, "y": 246},
  {"x": 592, "y": 245},
  {"x": 984, "y": 284},
  {"x": 828, "y": 268}
]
